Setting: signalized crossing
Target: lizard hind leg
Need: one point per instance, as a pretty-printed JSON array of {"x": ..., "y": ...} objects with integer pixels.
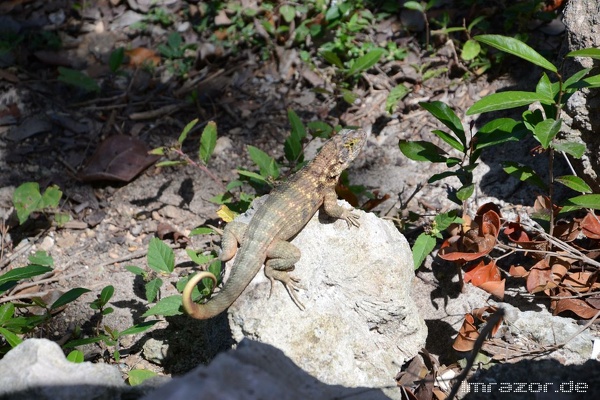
[
  {"x": 281, "y": 257},
  {"x": 233, "y": 234}
]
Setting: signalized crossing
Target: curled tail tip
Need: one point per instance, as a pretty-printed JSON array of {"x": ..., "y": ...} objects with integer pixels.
[{"x": 193, "y": 309}]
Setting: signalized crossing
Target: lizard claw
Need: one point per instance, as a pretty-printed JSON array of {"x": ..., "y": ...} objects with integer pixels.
[
  {"x": 290, "y": 282},
  {"x": 352, "y": 219}
]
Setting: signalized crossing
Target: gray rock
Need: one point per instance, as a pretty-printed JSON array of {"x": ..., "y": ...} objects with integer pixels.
[
  {"x": 37, "y": 369},
  {"x": 360, "y": 324},
  {"x": 255, "y": 371},
  {"x": 582, "y": 121}
]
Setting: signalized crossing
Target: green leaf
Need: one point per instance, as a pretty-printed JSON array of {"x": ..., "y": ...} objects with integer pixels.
[
  {"x": 544, "y": 88},
  {"x": 546, "y": 130},
  {"x": 167, "y": 307},
  {"x": 170, "y": 163},
  {"x": 116, "y": 59},
  {"x": 202, "y": 230},
  {"x": 332, "y": 58},
  {"x": 12, "y": 339},
  {"x": 442, "y": 175},
  {"x": 449, "y": 139},
  {"x": 465, "y": 192},
  {"x": 68, "y": 297},
  {"x": 446, "y": 116},
  {"x": 504, "y": 101},
  {"x": 199, "y": 258},
  {"x": 423, "y": 246},
  {"x": 444, "y": 220},
  {"x": 139, "y": 328},
  {"x": 137, "y": 376},
  {"x": 106, "y": 294},
  {"x": 160, "y": 256},
  {"x": 267, "y": 165},
  {"x": 576, "y": 77},
  {"x": 517, "y": 48},
  {"x": 23, "y": 273},
  {"x": 27, "y": 199},
  {"x": 287, "y": 12},
  {"x": 254, "y": 176},
  {"x": 421, "y": 151},
  {"x": 298, "y": 128},
  {"x": 497, "y": 131},
  {"x": 78, "y": 79},
  {"x": 319, "y": 129},
  {"x": 591, "y": 52},
  {"x": 574, "y": 182},
  {"x": 396, "y": 94},
  {"x": 76, "y": 356},
  {"x": 349, "y": 96},
  {"x": 7, "y": 310},
  {"x": 84, "y": 341},
  {"x": 589, "y": 82},
  {"x": 41, "y": 258},
  {"x": 571, "y": 148},
  {"x": 152, "y": 289},
  {"x": 523, "y": 173},
  {"x": 136, "y": 270},
  {"x": 51, "y": 197},
  {"x": 470, "y": 50},
  {"x": 208, "y": 141},
  {"x": 108, "y": 310},
  {"x": 415, "y": 6},
  {"x": 583, "y": 201},
  {"x": 186, "y": 130},
  {"x": 365, "y": 62}
]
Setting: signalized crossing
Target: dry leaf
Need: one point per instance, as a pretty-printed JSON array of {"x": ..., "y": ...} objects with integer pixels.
[
  {"x": 467, "y": 335},
  {"x": 518, "y": 271},
  {"x": 540, "y": 277},
  {"x": 118, "y": 158},
  {"x": 590, "y": 226},
  {"x": 142, "y": 56}
]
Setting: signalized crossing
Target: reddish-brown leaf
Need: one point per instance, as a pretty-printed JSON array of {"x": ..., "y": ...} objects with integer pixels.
[
  {"x": 578, "y": 306},
  {"x": 580, "y": 282},
  {"x": 591, "y": 226},
  {"x": 518, "y": 271},
  {"x": 540, "y": 277},
  {"x": 567, "y": 231},
  {"x": 141, "y": 56},
  {"x": 494, "y": 288},
  {"x": 467, "y": 335},
  {"x": 118, "y": 158}
]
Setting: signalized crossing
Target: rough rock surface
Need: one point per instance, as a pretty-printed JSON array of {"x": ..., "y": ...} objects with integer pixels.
[
  {"x": 582, "y": 19},
  {"x": 255, "y": 371},
  {"x": 37, "y": 369},
  {"x": 360, "y": 323}
]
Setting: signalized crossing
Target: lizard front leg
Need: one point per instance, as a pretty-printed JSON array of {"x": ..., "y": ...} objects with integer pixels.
[
  {"x": 281, "y": 257},
  {"x": 333, "y": 209}
]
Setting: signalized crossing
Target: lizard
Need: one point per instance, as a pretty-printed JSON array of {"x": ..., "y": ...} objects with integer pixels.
[{"x": 287, "y": 209}]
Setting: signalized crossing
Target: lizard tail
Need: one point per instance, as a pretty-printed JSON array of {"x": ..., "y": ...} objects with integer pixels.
[{"x": 195, "y": 310}]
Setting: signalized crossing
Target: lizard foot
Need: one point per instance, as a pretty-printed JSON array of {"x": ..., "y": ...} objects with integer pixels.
[
  {"x": 290, "y": 282},
  {"x": 351, "y": 219}
]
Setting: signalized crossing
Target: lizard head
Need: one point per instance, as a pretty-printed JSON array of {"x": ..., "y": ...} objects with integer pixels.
[{"x": 345, "y": 146}]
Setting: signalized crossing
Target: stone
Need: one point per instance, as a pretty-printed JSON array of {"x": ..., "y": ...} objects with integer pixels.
[{"x": 360, "y": 324}]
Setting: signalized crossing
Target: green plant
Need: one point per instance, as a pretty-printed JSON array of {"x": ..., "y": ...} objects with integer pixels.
[
  {"x": 179, "y": 59},
  {"x": 28, "y": 199},
  {"x": 14, "y": 322},
  {"x": 78, "y": 79},
  {"x": 544, "y": 124}
]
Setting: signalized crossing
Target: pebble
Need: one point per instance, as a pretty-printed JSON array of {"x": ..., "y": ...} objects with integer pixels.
[{"x": 46, "y": 244}]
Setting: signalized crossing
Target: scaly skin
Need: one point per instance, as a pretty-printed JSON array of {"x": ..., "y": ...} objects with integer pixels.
[{"x": 285, "y": 212}]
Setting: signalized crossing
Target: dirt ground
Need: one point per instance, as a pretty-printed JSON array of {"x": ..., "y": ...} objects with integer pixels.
[{"x": 49, "y": 131}]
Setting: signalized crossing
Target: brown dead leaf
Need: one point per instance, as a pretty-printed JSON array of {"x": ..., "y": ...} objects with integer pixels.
[
  {"x": 590, "y": 226},
  {"x": 577, "y": 306},
  {"x": 482, "y": 314},
  {"x": 518, "y": 271},
  {"x": 118, "y": 158},
  {"x": 467, "y": 335},
  {"x": 540, "y": 277},
  {"x": 494, "y": 288},
  {"x": 142, "y": 56},
  {"x": 486, "y": 277},
  {"x": 165, "y": 230},
  {"x": 543, "y": 205},
  {"x": 559, "y": 270},
  {"x": 580, "y": 282},
  {"x": 567, "y": 231},
  {"x": 374, "y": 202}
]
